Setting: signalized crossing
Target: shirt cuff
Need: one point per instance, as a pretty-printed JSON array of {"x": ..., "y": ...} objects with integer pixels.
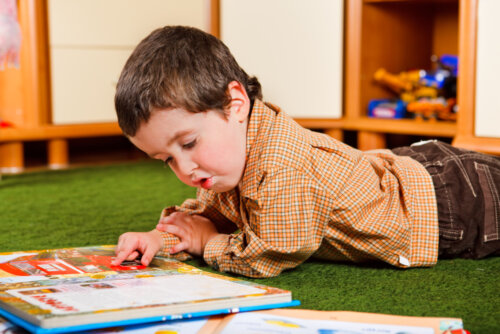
[
  {"x": 170, "y": 240},
  {"x": 215, "y": 249},
  {"x": 168, "y": 210}
]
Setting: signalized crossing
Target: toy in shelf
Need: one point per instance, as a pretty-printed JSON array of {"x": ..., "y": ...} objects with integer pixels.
[
  {"x": 431, "y": 109},
  {"x": 387, "y": 108},
  {"x": 425, "y": 94}
]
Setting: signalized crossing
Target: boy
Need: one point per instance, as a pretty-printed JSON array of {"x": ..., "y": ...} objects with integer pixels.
[{"x": 272, "y": 194}]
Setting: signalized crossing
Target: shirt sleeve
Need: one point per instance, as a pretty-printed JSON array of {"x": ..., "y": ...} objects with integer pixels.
[
  {"x": 170, "y": 240},
  {"x": 206, "y": 204},
  {"x": 280, "y": 229}
]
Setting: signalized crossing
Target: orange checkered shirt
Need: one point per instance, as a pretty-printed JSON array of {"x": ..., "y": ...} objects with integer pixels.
[{"x": 304, "y": 194}]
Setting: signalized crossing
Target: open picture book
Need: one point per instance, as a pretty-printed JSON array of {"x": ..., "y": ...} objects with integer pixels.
[{"x": 77, "y": 289}]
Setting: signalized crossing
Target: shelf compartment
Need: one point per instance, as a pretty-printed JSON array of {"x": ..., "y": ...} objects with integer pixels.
[{"x": 397, "y": 36}]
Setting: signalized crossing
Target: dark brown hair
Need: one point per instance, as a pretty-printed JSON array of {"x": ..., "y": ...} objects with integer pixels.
[{"x": 177, "y": 67}]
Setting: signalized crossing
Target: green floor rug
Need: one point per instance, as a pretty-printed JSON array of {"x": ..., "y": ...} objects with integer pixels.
[{"x": 92, "y": 206}]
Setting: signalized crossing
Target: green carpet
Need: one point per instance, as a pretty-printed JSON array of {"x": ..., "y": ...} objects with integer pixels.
[{"x": 91, "y": 206}]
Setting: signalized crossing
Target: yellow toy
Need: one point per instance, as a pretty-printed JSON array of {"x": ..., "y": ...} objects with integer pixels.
[
  {"x": 406, "y": 84},
  {"x": 423, "y": 101}
]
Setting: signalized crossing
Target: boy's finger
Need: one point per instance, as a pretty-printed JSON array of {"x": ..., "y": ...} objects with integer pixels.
[
  {"x": 122, "y": 255},
  {"x": 163, "y": 223},
  {"x": 133, "y": 256},
  {"x": 161, "y": 227},
  {"x": 117, "y": 260},
  {"x": 173, "y": 229},
  {"x": 179, "y": 247},
  {"x": 147, "y": 256},
  {"x": 165, "y": 220}
]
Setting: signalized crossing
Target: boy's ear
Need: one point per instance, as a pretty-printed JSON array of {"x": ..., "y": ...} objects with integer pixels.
[{"x": 239, "y": 106}]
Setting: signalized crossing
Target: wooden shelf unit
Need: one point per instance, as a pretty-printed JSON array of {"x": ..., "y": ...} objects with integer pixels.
[
  {"x": 376, "y": 34},
  {"x": 28, "y": 108},
  {"x": 25, "y": 98},
  {"x": 395, "y": 34}
]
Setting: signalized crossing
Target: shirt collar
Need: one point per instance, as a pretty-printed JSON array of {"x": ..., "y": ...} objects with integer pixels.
[{"x": 261, "y": 120}]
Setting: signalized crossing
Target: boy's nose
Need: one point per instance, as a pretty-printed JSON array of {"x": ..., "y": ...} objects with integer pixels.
[{"x": 186, "y": 167}]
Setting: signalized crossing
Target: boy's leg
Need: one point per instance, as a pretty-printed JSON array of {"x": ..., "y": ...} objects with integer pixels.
[{"x": 467, "y": 185}]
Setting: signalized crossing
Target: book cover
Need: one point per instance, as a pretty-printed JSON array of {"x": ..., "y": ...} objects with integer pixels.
[
  {"x": 190, "y": 326},
  {"x": 76, "y": 289}
]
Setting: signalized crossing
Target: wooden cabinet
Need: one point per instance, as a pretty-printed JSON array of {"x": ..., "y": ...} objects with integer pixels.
[
  {"x": 487, "y": 106},
  {"x": 397, "y": 35},
  {"x": 71, "y": 55},
  {"x": 90, "y": 42},
  {"x": 294, "y": 47},
  {"x": 478, "y": 124},
  {"x": 24, "y": 92}
]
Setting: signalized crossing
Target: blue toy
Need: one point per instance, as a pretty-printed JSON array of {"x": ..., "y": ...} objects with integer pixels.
[{"x": 387, "y": 108}]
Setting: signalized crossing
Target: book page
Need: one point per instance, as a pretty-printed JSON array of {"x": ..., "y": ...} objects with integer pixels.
[
  {"x": 137, "y": 292},
  {"x": 170, "y": 327},
  {"x": 283, "y": 321},
  {"x": 261, "y": 323}
]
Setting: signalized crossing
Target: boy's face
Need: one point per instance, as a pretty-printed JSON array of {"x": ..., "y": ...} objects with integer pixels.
[{"x": 205, "y": 149}]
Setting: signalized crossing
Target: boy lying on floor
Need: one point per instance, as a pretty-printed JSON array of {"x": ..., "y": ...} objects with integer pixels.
[{"x": 272, "y": 194}]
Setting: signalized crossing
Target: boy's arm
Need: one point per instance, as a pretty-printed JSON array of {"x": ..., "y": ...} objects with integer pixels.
[
  {"x": 206, "y": 205},
  {"x": 281, "y": 232}
]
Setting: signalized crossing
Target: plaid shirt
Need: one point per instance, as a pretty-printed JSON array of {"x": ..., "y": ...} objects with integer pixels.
[{"x": 304, "y": 194}]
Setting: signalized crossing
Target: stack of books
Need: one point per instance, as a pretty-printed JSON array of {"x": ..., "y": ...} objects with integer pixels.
[{"x": 78, "y": 290}]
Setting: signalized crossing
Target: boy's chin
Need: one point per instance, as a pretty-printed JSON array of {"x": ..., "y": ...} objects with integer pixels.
[{"x": 217, "y": 188}]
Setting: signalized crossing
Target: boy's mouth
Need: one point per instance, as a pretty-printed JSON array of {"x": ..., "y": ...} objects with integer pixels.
[{"x": 206, "y": 183}]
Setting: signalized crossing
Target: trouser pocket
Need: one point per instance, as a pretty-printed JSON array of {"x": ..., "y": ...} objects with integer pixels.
[{"x": 489, "y": 179}]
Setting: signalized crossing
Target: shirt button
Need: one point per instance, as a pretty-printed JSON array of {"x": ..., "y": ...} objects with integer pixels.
[{"x": 404, "y": 261}]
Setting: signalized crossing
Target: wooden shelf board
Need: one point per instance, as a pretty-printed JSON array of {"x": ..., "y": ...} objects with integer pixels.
[
  {"x": 397, "y": 126},
  {"x": 414, "y": 1},
  {"x": 481, "y": 144},
  {"x": 402, "y": 126},
  {"x": 59, "y": 131}
]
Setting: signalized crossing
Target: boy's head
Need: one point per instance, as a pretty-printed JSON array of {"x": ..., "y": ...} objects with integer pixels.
[
  {"x": 182, "y": 98},
  {"x": 177, "y": 67}
]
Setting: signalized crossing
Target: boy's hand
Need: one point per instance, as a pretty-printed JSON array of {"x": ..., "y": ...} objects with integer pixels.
[
  {"x": 131, "y": 244},
  {"x": 194, "y": 231}
]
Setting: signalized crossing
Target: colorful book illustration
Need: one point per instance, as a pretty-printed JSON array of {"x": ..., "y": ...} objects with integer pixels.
[
  {"x": 296, "y": 321},
  {"x": 77, "y": 289}
]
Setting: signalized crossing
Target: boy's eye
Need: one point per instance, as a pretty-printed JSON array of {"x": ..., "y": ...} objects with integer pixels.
[{"x": 189, "y": 145}]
